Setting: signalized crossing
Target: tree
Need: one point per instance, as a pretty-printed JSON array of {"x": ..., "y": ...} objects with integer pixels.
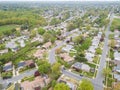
[
  {"x": 33, "y": 33},
  {"x": 78, "y": 39},
  {"x": 61, "y": 86},
  {"x": 85, "y": 85},
  {"x": 44, "y": 67},
  {"x": 41, "y": 31},
  {"x": 47, "y": 37},
  {"x": 53, "y": 83},
  {"x": 112, "y": 43},
  {"x": 106, "y": 71},
  {"x": 98, "y": 51},
  {"x": 88, "y": 27},
  {"x": 56, "y": 68},
  {"x": 1, "y": 35},
  {"x": 54, "y": 21},
  {"x": 70, "y": 26}
]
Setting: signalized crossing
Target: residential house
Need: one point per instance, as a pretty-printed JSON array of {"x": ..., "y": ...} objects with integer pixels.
[
  {"x": 117, "y": 57},
  {"x": 89, "y": 56},
  {"x": 117, "y": 77},
  {"x": 30, "y": 63},
  {"x": 92, "y": 49},
  {"x": 22, "y": 43},
  {"x": 39, "y": 53},
  {"x": 80, "y": 66},
  {"x": 47, "y": 45},
  {"x": 66, "y": 57},
  {"x": 3, "y": 51},
  {"x": 64, "y": 79},
  {"x": 117, "y": 68},
  {"x": 12, "y": 45},
  {"x": 8, "y": 67},
  {"x": 21, "y": 64},
  {"x": 67, "y": 48},
  {"x": 37, "y": 84}
]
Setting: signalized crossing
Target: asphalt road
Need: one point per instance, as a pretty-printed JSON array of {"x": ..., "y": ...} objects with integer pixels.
[
  {"x": 16, "y": 78},
  {"x": 51, "y": 55},
  {"x": 98, "y": 81}
]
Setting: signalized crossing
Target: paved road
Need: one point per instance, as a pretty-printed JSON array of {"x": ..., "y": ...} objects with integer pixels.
[
  {"x": 16, "y": 78},
  {"x": 51, "y": 55},
  {"x": 99, "y": 77},
  {"x": 98, "y": 81},
  {"x": 78, "y": 77}
]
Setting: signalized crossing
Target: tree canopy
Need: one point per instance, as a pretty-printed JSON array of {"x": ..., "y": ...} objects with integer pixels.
[
  {"x": 85, "y": 85},
  {"x": 61, "y": 86}
]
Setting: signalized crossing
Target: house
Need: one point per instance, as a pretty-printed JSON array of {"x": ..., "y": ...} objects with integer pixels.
[
  {"x": 66, "y": 57},
  {"x": 81, "y": 66},
  {"x": 37, "y": 38},
  {"x": 39, "y": 53},
  {"x": 12, "y": 45},
  {"x": 116, "y": 36},
  {"x": 67, "y": 48},
  {"x": 3, "y": 51},
  {"x": 38, "y": 83},
  {"x": 30, "y": 63},
  {"x": 89, "y": 56},
  {"x": 21, "y": 64},
  {"x": 117, "y": 68},
  {"x": 47, "y": 45},
  {"x": 92, "y": 49},
  {"x": 117, "y": 77},
  {"x": 8, "y": 67},
  {"x": 117, "y": 57},
  {"x": 67, "y": 80},
  {"x": 22, "y": 43}
]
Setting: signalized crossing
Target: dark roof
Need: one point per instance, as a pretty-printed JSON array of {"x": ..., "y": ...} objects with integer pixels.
[
  {"x": 21, "y": 64},
  {"x": 5, "y": 68}
]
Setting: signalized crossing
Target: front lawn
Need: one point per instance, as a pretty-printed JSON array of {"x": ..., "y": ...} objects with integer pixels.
[
  {"x": 115, "y": 24},
  {"x": 30, "y": 78},
  {"x": 7, "y": 74}
]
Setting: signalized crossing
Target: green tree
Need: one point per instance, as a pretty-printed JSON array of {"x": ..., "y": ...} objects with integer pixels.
[
  {"x": 44, "y": 67},
  {"x": 56, "y": 68},
  {"x": 32, "y": 33},
  {"x": 70, "y": 26},
  {"x": 78, "y": 39},
  {"x": 106, "y": 71},
  {"x": 61, "y": 86},
  {"x": 54, "y": 21},
  {"x": 41, "y": 31},
  {"x": 53, "y": 83},
  {"x": 48, "y": 36},
  {"x": 98, "y": 51},
  {"x": 85, "y": 85},
  {"x": 88, "y": 27}
]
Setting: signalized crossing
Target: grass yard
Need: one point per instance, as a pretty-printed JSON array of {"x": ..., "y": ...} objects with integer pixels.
[
  {"x": 115, "y": 24},
  {"x": 7, "y": 27},
  {"x": 30, "y": 78}
]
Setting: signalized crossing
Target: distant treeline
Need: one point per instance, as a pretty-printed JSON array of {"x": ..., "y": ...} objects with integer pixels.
[{"x": 18, "y": 17}]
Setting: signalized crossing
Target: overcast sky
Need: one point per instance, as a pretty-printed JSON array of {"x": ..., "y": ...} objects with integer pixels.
[{"x": 59, "y": 0}]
